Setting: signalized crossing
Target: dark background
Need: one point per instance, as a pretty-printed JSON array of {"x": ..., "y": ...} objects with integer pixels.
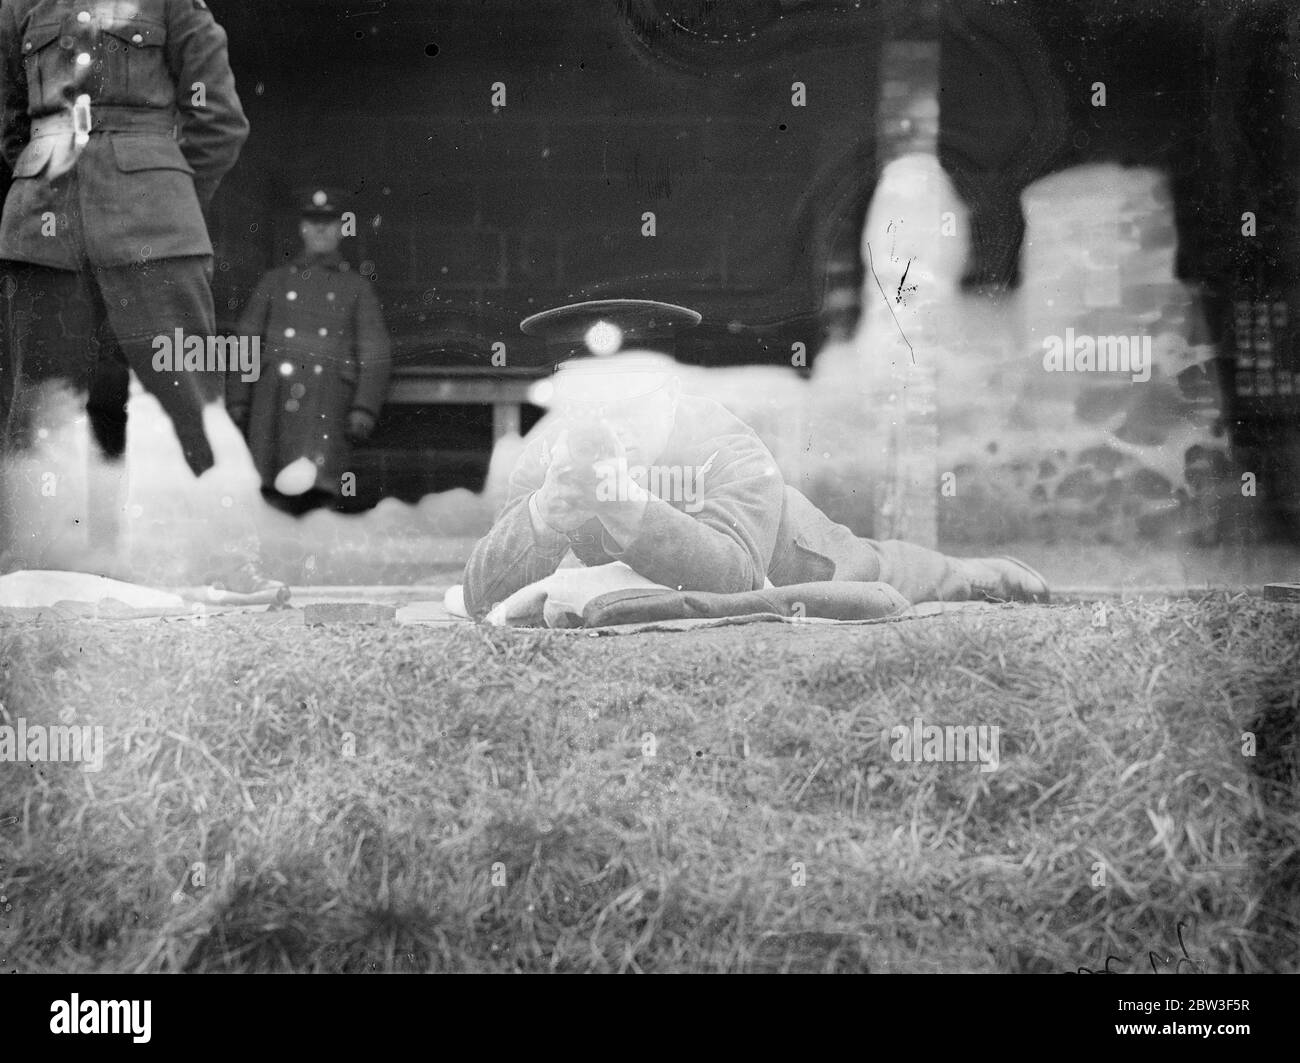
[
  {"x": 471, "y": 217},
  {"x": 474, "y": 217}
]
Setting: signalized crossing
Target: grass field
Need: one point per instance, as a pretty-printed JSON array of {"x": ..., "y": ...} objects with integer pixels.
[{"x": 276, "y": 798}]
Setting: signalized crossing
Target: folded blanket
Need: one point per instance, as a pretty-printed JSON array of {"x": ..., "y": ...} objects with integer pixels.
[
  {"x": 606, "y": 595},
  {"x": 844, "y": 600},
  {"x": 559, "y": 599},
  {"x": 43, "y": 588}
]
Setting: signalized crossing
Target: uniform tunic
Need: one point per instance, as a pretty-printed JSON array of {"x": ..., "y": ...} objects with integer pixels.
[
  {"x": 105, "y": 242},
  {"x": 747, "y": 525},
  {"x": 325, "y": 353},
  {"x": 137, "y": 191}
]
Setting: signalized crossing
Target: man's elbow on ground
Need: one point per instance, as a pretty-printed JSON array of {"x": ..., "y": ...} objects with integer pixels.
[
  {"x": 474, "y": 587},
  {"x": 745, "y": 575},
  {"x": 476, "y": 592}
]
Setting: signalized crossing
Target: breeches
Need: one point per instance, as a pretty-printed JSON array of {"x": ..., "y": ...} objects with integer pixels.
[{"x": 87, "y": 328}]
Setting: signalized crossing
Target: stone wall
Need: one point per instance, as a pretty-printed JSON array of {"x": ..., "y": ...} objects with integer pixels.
[
  {"x": 1020, "y": 453},
  {"x": 1024, "y": 453}
]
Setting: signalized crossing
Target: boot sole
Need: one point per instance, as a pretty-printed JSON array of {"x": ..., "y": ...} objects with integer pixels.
[
  {"x": 214, "y": 596},
  {"x": 1035, "y": 599}
]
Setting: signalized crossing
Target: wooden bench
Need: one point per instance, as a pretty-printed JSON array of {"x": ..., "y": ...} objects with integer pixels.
[{"x": 505, "y": 390}]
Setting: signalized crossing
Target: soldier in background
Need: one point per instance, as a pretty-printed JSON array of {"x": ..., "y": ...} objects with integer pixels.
[
  {"x": 326, "y": 358},
  {"x": 118, "y": 122}
]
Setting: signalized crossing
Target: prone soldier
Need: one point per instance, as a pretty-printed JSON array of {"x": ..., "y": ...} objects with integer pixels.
[{"x": 677, "y": 488}]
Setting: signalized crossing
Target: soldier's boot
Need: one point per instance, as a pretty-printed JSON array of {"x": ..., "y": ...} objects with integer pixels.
[
  {"x": 235, "y": 572},
  {"x": 106, "y": 482},
  {"x": 245, "y": 581},
  {"x": 220, "y": 502},
  {"x": 1003, "y": 579}
]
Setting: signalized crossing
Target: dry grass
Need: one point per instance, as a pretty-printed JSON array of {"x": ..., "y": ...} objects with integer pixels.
[{"x": 498, "y": 813}]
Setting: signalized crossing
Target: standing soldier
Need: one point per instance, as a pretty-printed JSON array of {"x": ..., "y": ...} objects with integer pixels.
[
  {"x": 118, "y": 122},
  {"x": 326, "y": 358}
]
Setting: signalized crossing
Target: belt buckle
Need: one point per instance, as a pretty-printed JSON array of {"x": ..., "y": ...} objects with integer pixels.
[{"x": 81, "y": 120}]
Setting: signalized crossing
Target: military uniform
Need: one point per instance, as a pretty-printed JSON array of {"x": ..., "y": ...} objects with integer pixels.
[
  {"x": 325, "y": 355},
  {"x": 118, "y": 122},
  {"x": 746, "y": 528}
]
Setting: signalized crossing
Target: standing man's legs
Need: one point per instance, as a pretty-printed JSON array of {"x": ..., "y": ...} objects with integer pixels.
[
  {"x": 147, "y": 300},
  {"x": 60, "y": 327},
  {"x": 50, "y": 337},
  {"x": 110, "y": 388}
]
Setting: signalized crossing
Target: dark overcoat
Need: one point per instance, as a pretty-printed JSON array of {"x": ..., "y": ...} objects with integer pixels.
[{"x": 324, "y": 352}]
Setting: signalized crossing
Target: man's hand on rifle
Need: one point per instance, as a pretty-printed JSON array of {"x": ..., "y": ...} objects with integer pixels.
[
  {"x": 597, "y": 483},
  {"x": 567, "y": 498},
  {"x": 620, "y": 500}
]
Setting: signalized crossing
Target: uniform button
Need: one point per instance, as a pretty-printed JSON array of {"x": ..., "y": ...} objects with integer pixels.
[
  {"x": 290, "y": 333},
  {"x": 329, "y": 296},
  {"x": 317, "y": 370},
  {"x": 66, "y": 42},
  {"x": 291, "y": 296},
  {"x": 137, "y": 38},
  {"x": 323, "y": 332},
  {"x": 298, "y": 391},
  {"x": 83, "y": 59},
  {"x": 83, "y": 17},
  {"x": 291, "y": 405},
  {"x": 27, "y": 47},
  {"x": 286, "y": 368}
]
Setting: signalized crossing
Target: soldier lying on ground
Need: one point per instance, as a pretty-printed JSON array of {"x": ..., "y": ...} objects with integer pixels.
[{"x": 688, "y": 496}]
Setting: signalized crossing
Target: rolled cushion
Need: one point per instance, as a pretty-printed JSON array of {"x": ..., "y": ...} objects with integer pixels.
[{"x": 842, "y": 600}]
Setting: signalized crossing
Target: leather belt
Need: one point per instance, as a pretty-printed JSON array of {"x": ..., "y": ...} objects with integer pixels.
[{"x": 107, "y": 120}]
